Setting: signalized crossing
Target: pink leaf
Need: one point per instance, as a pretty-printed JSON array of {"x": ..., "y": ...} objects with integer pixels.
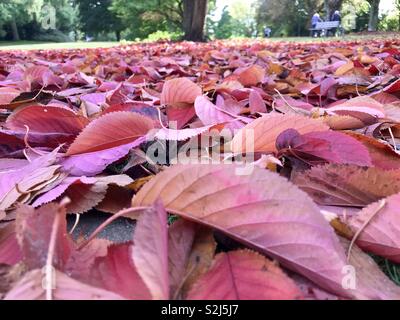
[
  {"x": 93, "y": 163},
  {"x": 10, "y": 253},
  {"x": 210, "y": 115},
  {"x": 251, "y": 76},
  {"x": 356, "y": 105},
  {"x": 179, "y": 92},
  {"x": 116, "y": 272},
  {"x": 261, "y": 134},
  {"x": 45, "y": 119},
  {"x": 30, "y": 287},
  {"x": 323, "y": 146},
  {"x": 244, "y": 275},
  {"x": 111, "y": 130},
  {"x": 150, "y": 251},
  {"x": 256, "y": 102},
  {"x": 260, "y": 209},
  {"x": 34, "y": 228},
  {"x": 381, "y": 235}
]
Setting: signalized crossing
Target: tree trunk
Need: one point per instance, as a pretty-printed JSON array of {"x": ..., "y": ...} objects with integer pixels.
[
  {"x": 118, "y": 35},
  {"x": 330, "y": 6},
  {"x": 14, "y": 30},
  {"x": 373, "y": 15},
  {"x": 194, "y": 17}
]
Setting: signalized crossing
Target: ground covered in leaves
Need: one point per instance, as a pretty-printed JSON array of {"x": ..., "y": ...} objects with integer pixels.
[{"x": 253, "y": 170}]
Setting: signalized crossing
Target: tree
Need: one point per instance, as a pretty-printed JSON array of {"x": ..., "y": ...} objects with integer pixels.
[
  {"x": 13, "y": 13},
  {"x": 287, "y": 17},
  {"x": 224, "y": 27},
  {"x": 243, "y": 15},
  {"x": 397, "y": 3},
  {"x": 373, "y": 15},
  {"x": 194, "y": 16},
  {"x": 144, "y": 17},
  {"x": 330, "y": 6},
  {"x": 96, "y": 17}
]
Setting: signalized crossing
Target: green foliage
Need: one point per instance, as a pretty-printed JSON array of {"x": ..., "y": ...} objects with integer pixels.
[
  {"x": 163, "y": 35},
  {"x": 389, "y": 23},
  {"x": 27, "y": 15},
  {"x": 224, "y": 28},
  {"x": 97, "y": 19},
  {"x": 144, "y": 17}
]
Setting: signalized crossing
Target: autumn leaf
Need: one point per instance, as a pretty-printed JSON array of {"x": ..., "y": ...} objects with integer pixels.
[{"x": 244, "y": 275}]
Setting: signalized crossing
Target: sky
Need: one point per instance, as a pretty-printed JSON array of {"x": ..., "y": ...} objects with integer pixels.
[{"x": 385, "y": 6}]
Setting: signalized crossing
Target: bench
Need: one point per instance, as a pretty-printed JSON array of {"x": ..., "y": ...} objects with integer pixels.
[{"x": 325, "y": 26}]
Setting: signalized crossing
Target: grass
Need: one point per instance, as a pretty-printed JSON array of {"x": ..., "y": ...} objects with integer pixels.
[
  {"x": 391, "y": 269},
  {"x": 34, "y": 45}
]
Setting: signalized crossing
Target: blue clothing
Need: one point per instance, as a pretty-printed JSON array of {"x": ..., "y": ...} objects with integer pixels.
[{"x": 315, "y": 20}]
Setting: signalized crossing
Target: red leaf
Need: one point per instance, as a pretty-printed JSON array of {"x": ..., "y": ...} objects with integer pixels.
[
  {"x": 34, "y": 228},
  {"x": 180, "y": 92},
  {"x": 261, "y": 134},
  {"x": 10, "y": 253},
  {"x": 262, "y": 215},
  {"x": 251, "y": 76},
  {"x": 345, "y": 185},
  {"x": 150, "y": 251},
  {"x": 63, "y": 123},
  {"x": 381, "y": 235},
  {"x": 382, "y": 155},
  {"x": 117, "y": 273},
  {"x": 209, "y": 114},
  {"x": 323, "y": 146},
  {"x": 30, "y": 287},
  {"x": 256, "y": 102},
  {"x": 111, "y": 130},
  {"x": 244, "y": 275}
]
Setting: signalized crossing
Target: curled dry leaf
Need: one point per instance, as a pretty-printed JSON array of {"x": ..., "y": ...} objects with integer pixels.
[
  {"x": 84, "y": 192},
  {"x": 23, "y": 182}
]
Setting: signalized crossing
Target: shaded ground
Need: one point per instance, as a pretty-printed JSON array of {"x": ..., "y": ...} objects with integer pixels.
[{"x": 120, "y": 230}]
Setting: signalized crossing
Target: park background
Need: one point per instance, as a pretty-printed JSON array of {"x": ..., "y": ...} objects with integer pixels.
[{"x": 39, "y": 21}]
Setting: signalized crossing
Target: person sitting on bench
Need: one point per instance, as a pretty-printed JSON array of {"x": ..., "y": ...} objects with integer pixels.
[
  {"x": 314, "y": 20},
  {"x": 336, "y": 17}
]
